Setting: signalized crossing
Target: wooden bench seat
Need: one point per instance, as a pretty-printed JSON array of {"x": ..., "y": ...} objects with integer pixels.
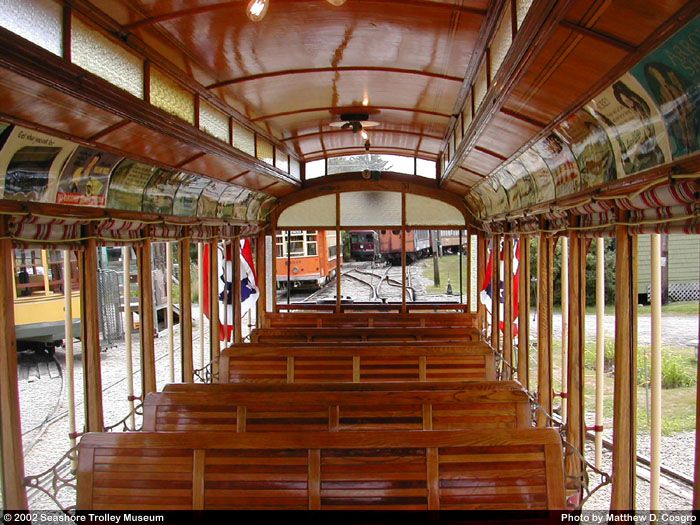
[
  {"x": 369, "y": 320},
  {"x": 431, "y": 470},
  {"x": 492, "y": 405},
  {"x": 356, "y": 363},
  {"x": 380, "y": 334}
]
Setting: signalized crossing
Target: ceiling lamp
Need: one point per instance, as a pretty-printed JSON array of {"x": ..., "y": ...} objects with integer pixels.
[
  {"x": 354, "y": 121},
  {"x": 257, "y": 9}
]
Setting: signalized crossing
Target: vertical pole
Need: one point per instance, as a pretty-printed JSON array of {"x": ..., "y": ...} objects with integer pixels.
[
  {"x": 288, "y": 233},
  {"x": 338, "y": 250},
  {"x": 11, "y": 453},
  {"x": 273, "y": 267},
  {"x": 599, "y": 348},
  {"x": 495, "y": 292},
  {"x": 90, "y": 336},
  {"x": 186, "y": 311},
  {"x": 261, "y": 274},
  {"x": 575, "y": 429},
  {"x": 169, "y": 308},
  {"x": 625, "y": 397},
  {"x": 564, "y": 324},
  {"x": 481, "y": 257},
  {"x": 214, "y": 322},
  {"x": 146, "y": 332},
  {"x": 461, "y": 281},
  {"x": 524, "y": 313},
  {"x": 403, "y": 252},
  {"x": 70, "y": 356},
  {"x": 200, "y": 295},
  {"x": 128, "y": 326},
  {"x": 544, "y": 327},
  {"x": 656, "y": 299},
  {"x": 45, "y": 268},
  {"x": 227, "y": 295},
  {"x": 236, "y": 290},
  {"x": 507, "y": 306}
]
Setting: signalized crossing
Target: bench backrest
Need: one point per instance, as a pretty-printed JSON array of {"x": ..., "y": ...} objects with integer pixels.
[
  {"x": 356, "y": 363},
  {"x": 381, "y": 334},
  {"x": 431, "y": 470},
  {"x": 456, "y": 408},
  {"x": 369, "y": 320}
]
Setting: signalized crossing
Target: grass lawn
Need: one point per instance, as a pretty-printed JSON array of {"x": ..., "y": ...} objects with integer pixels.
[{"x": 449, "y": 269}]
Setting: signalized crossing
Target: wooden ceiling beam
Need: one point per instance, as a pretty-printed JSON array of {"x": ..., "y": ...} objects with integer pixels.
[
  {"x": 596, "y": 35},
  {"x": 340, "y": 69},
  {"x": 367, "y": 108},
  {"x": 371, "y": 130},
  {"x": 389, "y": 150}
]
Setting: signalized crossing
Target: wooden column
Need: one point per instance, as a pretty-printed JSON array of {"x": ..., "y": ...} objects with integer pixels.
[
  {"x": 261, "y": 274},
  {"x": 90, "y": 335},
  {"x": 146, "y": 318},
  {"x": 524, "y": 313},
  {"x": 482, "y": 257},
  {"x": 273, "y": 277},
  {"x": 625, "y": 400},
  {"x": 404, "y": 270},
  {"x": 545, "y": 258},
  {"x": 213, "y": 284},
  {"x": 237, "y": 320},
  {"x": 507, "y": 307},
  {"x": 11, "y": 452},
  {"x": 564, "y": 298},
  {"x": 338, "y": 250},
  {"x": 186, "y": 311},
  {"x": 495, "y": 291},
  {"x": 575, "y": 430}
]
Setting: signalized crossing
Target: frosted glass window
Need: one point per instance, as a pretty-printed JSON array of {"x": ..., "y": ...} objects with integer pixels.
[
  {"x": 521, "y": 9},
  {"x": 295, "y": 168},
  {"x": 39, "y": 21},
  {"x": 98, "y": 54},
  {"x": 319, "y": 211},
  {"x": 243, "y": 139},
  {"x": 502, "y": 41},
  {"x": 467, "y": 113},
  {"x": 354, "y": 163},
  {"x": 424, "y": 211},
  {"x": 370, "y": 208},
  {"x": 266, "y": 152},
  {"x": 213, "y": 121},
  {"x": 474, "y": 287},
  {"x": 169, "y": 96},
  {"x": 315, "y": 169},
  {"x": 426, "y": 168},
  {"x": 282, "y": 160},
  {"x": 480, "y": 85}
]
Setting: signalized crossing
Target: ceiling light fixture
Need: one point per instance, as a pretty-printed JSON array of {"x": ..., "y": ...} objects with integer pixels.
[
  {"x": 336, "y": 3},
  {"x": 364, "y": 135},
  {"x": 257, "y": 9}
]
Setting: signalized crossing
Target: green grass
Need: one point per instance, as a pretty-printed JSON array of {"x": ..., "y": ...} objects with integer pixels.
[
  {"x": 449, "y": 270},
  {"x": 680, "y": 308}
]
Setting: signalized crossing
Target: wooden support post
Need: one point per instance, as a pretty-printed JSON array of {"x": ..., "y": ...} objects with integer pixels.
[
  {"x": 169, "y": 309},
  {"x": 213, "y": 284},
  {"x": 70, "y": 355},
  {"x": 200, "y": 299},
  {"x": 261, "y": 274},
  {"x": 186, "y": 311},
  {"x": 576, "y": 427},
  {"x": 507, "y": 308},
  {"x": 495, "y": 292},
  {"x": 338, "y": 251},
  {"x": 90, "y": 335},
  {"x": 128, "y": 327},
  {"x": 404, "y": 270},
  {"x": 655, "y": 434},
  {"x": 147, "y": 327},
  {"x": 625, "y": 401},
  {"x": 564, "y": 324},
  {"x": 11, "y": 453},
  {"x": 524, "y": 313},
  {"x": 545, "y": 261},
  {"x": 482, "y": 257},
  {"x": 236, "y": 290},
  {"x": 599, "y": 349},
  {"x": 273, "y": 267}
]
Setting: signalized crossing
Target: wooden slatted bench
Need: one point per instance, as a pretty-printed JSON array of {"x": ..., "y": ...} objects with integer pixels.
[
  {"x": 381, "y": 334},
  {"x": 430, "y": 470},
  {"x": 369, "y": 320},
  {"x": 496, "y": 404},
  {"x": 356, "y": 363}
]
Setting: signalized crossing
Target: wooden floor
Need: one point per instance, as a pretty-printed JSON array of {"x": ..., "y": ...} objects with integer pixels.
[{"x": 398, "y": 413}]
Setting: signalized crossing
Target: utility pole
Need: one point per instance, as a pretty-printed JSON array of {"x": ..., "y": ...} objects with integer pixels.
[{"x": 436, "y": 266}]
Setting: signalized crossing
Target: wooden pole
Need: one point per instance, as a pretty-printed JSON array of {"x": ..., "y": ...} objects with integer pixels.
[
  {"x": 507, "y": 307},
  {"x": 625, "y": 400},
  {"x": 213, "y": 284},
  {"x": 655, "y": 437},
  {"x": 273, "y": 268},
  {"x": 237, "y": 313},
  {"x": 564, "y": 324},
  {"x": 599, "y": 349},
  {"x": 169, "y": 309},
  {"x": 524, "y": 313},
  {"x": 481, "y": 257},
  {"x": 403, "y": 252},
  {"x": 495, "y": 292},
  {"x": 45, "y": 268},
  {"x": 128, "y": 326},
  {"x": 146, "y": 326},
  {"x": 70, "y": 356},
  {"x": 11, "y": 452},
  {"x": 575, "y": 429},
  {"x": 200, "y": 295},
  {"x": 90, "y": 336},
  {"x": 186, "y": 311},
  {"x": 544, "y": 327},
  {"x": 261, "y": 275}
]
